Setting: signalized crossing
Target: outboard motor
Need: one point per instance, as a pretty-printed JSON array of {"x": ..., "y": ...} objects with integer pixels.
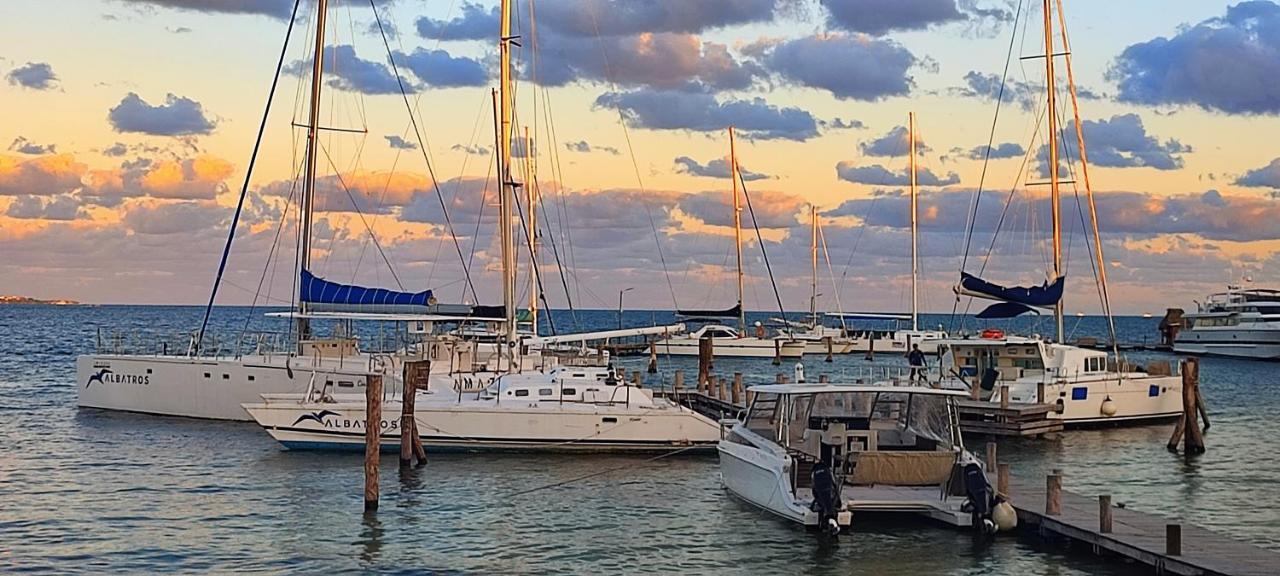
[
  {"x": 826, "y": 494},
  {"x": 799, "y": 373},
  {"x": 981, "y": 498}
]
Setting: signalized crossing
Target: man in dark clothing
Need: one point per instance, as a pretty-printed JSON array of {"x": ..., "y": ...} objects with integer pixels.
[{"x": 916, "y": 359}]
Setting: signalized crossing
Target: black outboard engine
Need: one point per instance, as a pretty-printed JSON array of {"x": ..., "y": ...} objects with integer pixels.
[
  {"x": 826, "y": 494},
  {"x": 981, "y": 499}
]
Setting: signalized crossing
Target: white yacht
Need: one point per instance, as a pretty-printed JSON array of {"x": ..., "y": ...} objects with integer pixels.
[
  {"x": 892, "y": 449},
  {"x": 1241, "y": 322},
  {"x": 728, "y": 342},
  {"x": 565, "y": 409}
]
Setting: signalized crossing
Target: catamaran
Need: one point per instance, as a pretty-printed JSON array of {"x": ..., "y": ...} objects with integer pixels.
[{"x": 1087, "y": 386}]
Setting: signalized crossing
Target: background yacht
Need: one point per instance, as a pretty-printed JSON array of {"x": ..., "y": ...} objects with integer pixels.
[{"x": 1241, "y": 322}]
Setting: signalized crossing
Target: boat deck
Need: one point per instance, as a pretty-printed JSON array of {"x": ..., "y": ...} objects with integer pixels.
[{"x": 922, "y": 500}]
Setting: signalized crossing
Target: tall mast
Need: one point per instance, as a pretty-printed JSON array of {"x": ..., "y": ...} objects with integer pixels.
[
  {"x": 530, "y": 195},
  {"x": 309, "y": 177},
  {"x": 737, "y": 227},
  {"x": 508, "y": 184},
  {"x": 813, "y": 258},
  {"x": 915, "y": 266},
  {"x": 1054, "y": 193}
]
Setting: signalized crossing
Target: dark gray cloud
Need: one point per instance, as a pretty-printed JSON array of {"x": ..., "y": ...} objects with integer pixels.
[
  {"x": 1227, "y": 64},
  {"x": 274, "y": 8},
  {"x": 665, "y": 60},
  {"x": 476, "y": 149},
  {"x": 399, "y": 143},
  {"x": 439, "y": 69},
  {"x": 1025, "y": 94},
  {"x": 1265, "y": 177},
  {"x": 849, "y": 67},
  {"x": 893, "y": 144},
  {"x": 62, "y": 207},
  {"x": 178, "y": 116},
  {"x": 699, "y": 112},
  {"x": 475, "y": 23},
  {"x": 587, "y": 18},
  {"x": 348, "y": 71},
  {"x": 23, "y": 146},
  {"x": 998, "y": 151},
  {"x": 717, "y": 168},
  {"x": 878, "y": 17},
  {"x": 1123, "y": 142},
  {"x": 587, "y": 148},
  {"x": 877, "y": 175},
  {"x": 842, "y": 124},
  {"x": 33, "y": 75}
]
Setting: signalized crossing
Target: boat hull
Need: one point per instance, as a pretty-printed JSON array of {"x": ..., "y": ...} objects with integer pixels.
[
  {"x": 758, "y": 477},
  {"x": 1234, "y": 343},
  {"x": 734, "y": 347},
  {"x": 1136, "y": 400}
]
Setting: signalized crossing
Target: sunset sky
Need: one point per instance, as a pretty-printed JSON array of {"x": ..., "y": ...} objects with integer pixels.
[{"x": 126, "y": 127}]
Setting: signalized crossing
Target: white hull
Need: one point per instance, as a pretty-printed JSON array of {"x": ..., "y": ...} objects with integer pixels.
[
  {"x": 735, "y": 347},
  {"x": 1229, "y": 341},
  {"x": 1136, "y": 399},
  {"x": 444, "y": 423},
  {"x": 758, "y": 477},
  {"x": 200, "y": 387}
]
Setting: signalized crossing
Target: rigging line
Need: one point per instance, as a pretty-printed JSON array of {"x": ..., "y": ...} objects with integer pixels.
[
  {"x": 284, "y": 215},
  {"x": 566, "y": 230},
  {"x": 759, "y": 238},
  {"x": 551, "y": 238},
  {"x": 635, "y": 165},
  {"x": 244, "y": 189},
  {"x": 356, "y": 207},
  {"x": 435, "y": 183},
  {"x": 822, "y": 235},
  {"x": 457, "y": 189},
  {"x": 475, "y": 235}
]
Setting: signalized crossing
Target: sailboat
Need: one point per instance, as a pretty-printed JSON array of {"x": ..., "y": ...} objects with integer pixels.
[
  {"x": 1087, "y": 386},
  {"x": 565, "y": 408},
  {"x": 728, "y": 341}
]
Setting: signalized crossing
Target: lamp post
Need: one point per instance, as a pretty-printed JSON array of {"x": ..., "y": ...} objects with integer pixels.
[{"x": 620, "y": 293}]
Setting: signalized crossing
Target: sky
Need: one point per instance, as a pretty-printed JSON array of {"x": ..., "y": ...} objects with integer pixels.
[{"x": 127, "y": 129}]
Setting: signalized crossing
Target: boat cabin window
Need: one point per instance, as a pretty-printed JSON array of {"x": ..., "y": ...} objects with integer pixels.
[
  {"x": 718, "y": 334},
  {"x": 522, "y": 392},
  {"x": 545, "y": 392},
  {"x": 568, "y": 391}
]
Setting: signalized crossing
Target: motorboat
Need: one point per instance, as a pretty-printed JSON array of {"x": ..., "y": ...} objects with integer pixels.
[
  {"x": 728, "y": 342},
  {"x": 1240, "y": 323}
]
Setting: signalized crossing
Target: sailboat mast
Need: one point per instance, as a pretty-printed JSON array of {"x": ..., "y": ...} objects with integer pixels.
[
  {"x": 813, "y": 257},
  {"x": 1054, "y": 192},
  {"x": 915, "y": 266},
  {"x": 530, "y": 195},
  {"x": 309, "y": 177},
  {"x": 507, "y": 195},
  {"x": 737, "y": 227}
]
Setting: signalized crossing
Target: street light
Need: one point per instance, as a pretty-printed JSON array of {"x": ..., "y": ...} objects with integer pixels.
[{"x": 620, "y": 293}]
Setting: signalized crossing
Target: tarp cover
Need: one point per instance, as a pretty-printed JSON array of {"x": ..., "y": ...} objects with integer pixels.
[
  {"x": 1043, "y": 296},
  {"x": 1001, "y": 310},
  {"x": 316, "y": 290},
  {"x": 730, "y": 313}
]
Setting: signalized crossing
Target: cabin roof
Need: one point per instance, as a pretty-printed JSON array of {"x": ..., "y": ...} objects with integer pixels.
[{"x": 791, "y": 389}]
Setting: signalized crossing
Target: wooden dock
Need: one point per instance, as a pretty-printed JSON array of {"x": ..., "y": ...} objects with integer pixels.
[
  {"x": 1166, "y": 546},
  {"x": 1013, "y": 419}
]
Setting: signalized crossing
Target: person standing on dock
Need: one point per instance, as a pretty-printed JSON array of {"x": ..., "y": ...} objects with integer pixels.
[{"x": 915, "y": 359}]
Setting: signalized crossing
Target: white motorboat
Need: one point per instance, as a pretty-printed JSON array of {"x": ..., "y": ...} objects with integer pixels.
[
  {"x": 1241, "y": 323},
  {"x": 728, "y": 342},
  {"x": 892, "y": 449},
  {"x": 565, "y": 409}
]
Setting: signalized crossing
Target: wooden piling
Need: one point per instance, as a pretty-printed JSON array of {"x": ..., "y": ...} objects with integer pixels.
[
  {"x": 1004, "y": 397},
  {"x": 1173, "y": 539},
  {"x": 406, "y": 420},
  {"x": 975, "y": 391},
  {"x": 635, "y": 378},
  {"x": 737, "y": 389},
  {"x": 372, "y": 440},
  {"x": 823, "y": 379},
  {"x": 1053, "y": 495},
  {"x": 777, "y": 352},
  {"x": 653, "y": 357},
  {"x": 1188, "y": 427},
  {"x": 1003, "y": 487},
  {"x": 991, "y": 456},
  {"x": 1040, "y": 393},
  {"x": 829, "y": 346},
  {"x": 705, "y": 351},
  {"x": 678, "y": 381},
  {"x": 1104, "y": 514},
  {"x": 871, "y": 346}
]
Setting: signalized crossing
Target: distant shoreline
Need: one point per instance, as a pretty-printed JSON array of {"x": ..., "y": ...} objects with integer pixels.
[{"x": 26, "y": 300}]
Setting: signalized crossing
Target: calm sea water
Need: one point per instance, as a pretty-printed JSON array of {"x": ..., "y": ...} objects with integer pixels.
[{"x": 92, "y": 491}]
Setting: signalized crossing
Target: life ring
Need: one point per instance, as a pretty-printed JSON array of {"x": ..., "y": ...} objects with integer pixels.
[{"x": 993, "y": 334}]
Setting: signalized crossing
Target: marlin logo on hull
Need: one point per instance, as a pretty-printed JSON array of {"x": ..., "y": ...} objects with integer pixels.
[
  {"x": 98, "y": 377},
  {"x": 317, "y": 417}
]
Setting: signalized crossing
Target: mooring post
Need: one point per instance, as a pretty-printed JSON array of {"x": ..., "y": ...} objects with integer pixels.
[
  {"x": 1004, "y": 397},
  {"x": 1104, "y": 514},
  {"x": 737, "y": 388},
  {"x": 704, "y": 360},
  {"x": 1040, "y": 393},
  {"x": 1202, "y": 408},
  {"x": 777, "y": 352},
  {"x": 1193, "y": 439},
  {"x": 372, "y": 440},
  {"x": 1053, "y": 495},
  {"x": 635, "y": 378},
  {"x": 653, "y": 356},
  {"x": 406, "y": 418},
  {"x": 823, "y": 379},
  {"x": 828, "y": 339},
  {"x": 871, "y": 346},
  {"x": 1002, "y": 480},
  {"x": 975, "y": 391},
  {"x": 991, "y": 456},
  {"x": 417, "y": 377},
  {"x": 1173, "y": 539},
  {"x": 678, "y": 381}
]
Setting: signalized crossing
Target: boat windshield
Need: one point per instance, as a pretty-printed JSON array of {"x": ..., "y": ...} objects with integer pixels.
[{"x": 914, "y": 419}]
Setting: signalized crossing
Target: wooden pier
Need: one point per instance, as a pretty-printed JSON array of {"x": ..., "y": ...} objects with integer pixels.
[
  {"x": 1168, "y": 547},
  {"x": 1012, "y": 419}
]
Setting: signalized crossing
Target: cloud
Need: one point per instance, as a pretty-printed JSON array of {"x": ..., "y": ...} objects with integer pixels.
[
  {"x": 23, "y": 146},
  {"x": 589, "y": 18},
  {"x": 33, "y": 75},
  {"x": 476, "y": 149},
  {"x": 475, "y": 23},
  {"x": 374, "y": 192},
  {"x": 671, "y": 110},
  {"x": 1123, "y": 142},
  {"x": 842, "y": 124},
  {"x": 1265, "y": 177},
  {"x": 116, "y": 150},
  {"x": 274, "y": 8},
  {"x": 176, "y": 117},
  {"x": 1025, "y": 94},
  {"x": 849, "y": 67},
  {"x": 877, "y": 175},
  {"x": 772, "y": 209},
  {"x": 1227, "y": 64},
  {"x": 164, "y": 218},
  {"x": 347, "y": 71},
  {"x": 665, "y": 60},
  {"x": 199, "y": 178},
  {"x": 587, "y": 148},
  {"x": 717, "y": 168},
  {"x": 61, "y": 207},
  {"x": 439, "y": 69},
  {"x": 399, "y": 143},
  {"x": 892, "y": 144},
  {"x": 42, "y": 176},
  {"x": 878, "y": 17},
  {"x": 998, "y": 151}
]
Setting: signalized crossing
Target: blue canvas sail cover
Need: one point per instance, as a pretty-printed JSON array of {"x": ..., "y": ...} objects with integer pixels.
[
  {"x": 1001, "y": 310},
  {"x": 1043, "y": 296},
  {"x": 710, "y": 314},
  {"x": 317, "y": 290}
]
